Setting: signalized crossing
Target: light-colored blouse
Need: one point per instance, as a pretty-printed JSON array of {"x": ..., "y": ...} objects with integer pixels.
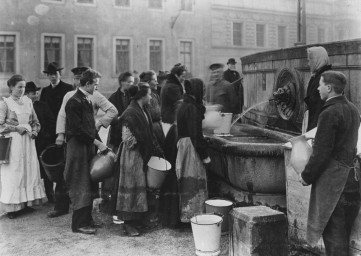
[{"x": 9, "y": 119}]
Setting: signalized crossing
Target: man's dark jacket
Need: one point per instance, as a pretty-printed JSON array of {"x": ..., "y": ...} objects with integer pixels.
[
  {"x": 47, "y": 121},
  {"x": 231, "y": 75},
  {"x": 121, "y": 101},
  {"x": 54, "y": 96},
  {"x": 328, "y": 169},
  {"x": 171, "y": 97},
  {"x": 313, "y": 99}
]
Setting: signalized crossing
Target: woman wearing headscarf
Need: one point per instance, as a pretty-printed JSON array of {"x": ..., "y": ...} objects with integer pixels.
[
  {"x": 138, "y": 145},
  {"x": 21, "y": 184},
  {"x": 318, "y": 62},
  {"x": 192, "y": 153}
]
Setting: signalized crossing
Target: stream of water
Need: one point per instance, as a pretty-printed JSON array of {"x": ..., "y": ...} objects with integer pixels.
[{"x": 239, "y": 116}]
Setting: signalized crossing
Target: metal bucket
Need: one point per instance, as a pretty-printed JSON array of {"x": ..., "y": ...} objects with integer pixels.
[
  {"x": 225, "y": 128},
  {"x": 221, "y": 207},
  {"x": 206, "y": 230},
  {"x": 102, "y": 165},
  {"x": 53, "y": 160},
  {"x": 157, "y": 171}
]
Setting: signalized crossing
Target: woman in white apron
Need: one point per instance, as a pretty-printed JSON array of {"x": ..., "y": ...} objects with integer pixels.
[{"x": 21, "y": 185}]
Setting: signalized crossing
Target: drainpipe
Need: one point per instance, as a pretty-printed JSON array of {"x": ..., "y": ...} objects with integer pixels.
[{"x": 301, "y": 22}]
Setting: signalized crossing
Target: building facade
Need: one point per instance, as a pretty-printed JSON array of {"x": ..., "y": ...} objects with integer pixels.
[
  {"x": 114, "y": 36},
  {"x": 111, "y": 36}
]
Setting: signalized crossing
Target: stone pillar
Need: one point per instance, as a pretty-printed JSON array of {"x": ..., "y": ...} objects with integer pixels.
[{"x": 257, "y": 231}]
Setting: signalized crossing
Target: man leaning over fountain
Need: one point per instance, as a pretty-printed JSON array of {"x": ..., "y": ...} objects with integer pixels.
[{"x": 335, "y": 197}]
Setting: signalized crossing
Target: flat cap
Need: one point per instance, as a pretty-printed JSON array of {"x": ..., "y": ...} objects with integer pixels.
[
  {"x": 79, "y": 70},
  {"x": 215, "y": 66}
]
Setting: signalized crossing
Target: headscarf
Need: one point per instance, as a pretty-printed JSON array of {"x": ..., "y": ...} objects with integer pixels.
[
  {"x": 318, "y": 58},
  {"x": 194, "y": 87}
]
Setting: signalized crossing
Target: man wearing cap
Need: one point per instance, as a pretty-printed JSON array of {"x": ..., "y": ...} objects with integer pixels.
[
  {"x": 45, "y": 135},
  {"x": 98, "y": 102},
  {"x": 231, "y": 75},
  {"x": 53, "y": 95},
  {"x": 335, "y": 193},
  {"x": 221, "y": 92},
  {"x": 82, "y": 138}
]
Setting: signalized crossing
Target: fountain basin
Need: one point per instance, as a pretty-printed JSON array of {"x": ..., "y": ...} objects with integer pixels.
[{"x": 250, "y": 160}]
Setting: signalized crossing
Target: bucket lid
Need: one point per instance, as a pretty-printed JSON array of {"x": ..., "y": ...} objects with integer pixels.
[
  {"x": 206, "y": 219},
  {"x": 218, "y": 202},
  {"x": 159, "y": 164}
]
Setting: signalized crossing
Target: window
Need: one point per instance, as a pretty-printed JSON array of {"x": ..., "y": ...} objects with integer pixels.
[
  {"x": 186, "y": 5},
  {"x": 85, "y": 1},
  {"x": 155, "y": 55},
  {"x": 341, "y": 34},
  {"x": 52, "y": 50},
  {"x": 185, "y": 53},
  {"x": 7, "y": 53},
  {"x": 85, "y": 51},
  {"x": 122, "y": 55},
  {"x": 321, "y": 35},
  {"x": 155, "y": 4},
  {"x": 122, "y": 3},
  {"x": 260, "y": 35},
  {"x": 237, "y": 33},
  {"x": 53, "y": 1},
  {"x": 281, "y": 36}
]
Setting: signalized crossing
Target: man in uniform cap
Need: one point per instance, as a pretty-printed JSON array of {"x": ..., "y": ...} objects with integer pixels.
[
  {"x": 53, "y": 95},
  {"x": 219, "y": 91},
  {"x": 45, "y": 135},
  {"x": 231, "y": 75}
]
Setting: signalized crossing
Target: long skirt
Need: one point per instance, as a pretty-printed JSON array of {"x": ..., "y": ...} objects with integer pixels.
[
  {"x": 21, "y": 183},
  {"x": 192, "y": 180},
  {"x": 132, "y": 193}
]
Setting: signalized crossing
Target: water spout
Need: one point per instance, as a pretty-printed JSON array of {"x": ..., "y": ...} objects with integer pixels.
[{"x": 239, "y": 116}]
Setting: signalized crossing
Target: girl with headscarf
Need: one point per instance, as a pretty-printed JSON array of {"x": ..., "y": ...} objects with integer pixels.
[
  {"x": 21, "y": 184},
  {"x": 138, "y": 145},
  {"x": 318, "y": 62},
  {"x": 192, "y": 153}
]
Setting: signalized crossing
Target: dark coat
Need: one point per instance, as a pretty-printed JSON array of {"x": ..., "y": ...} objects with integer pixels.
[
  {"x": 54, "y": 96},
  {"x": 329, "y": 166},
  {"x": 313, "y": 99},
  {"x": 223, "y": 93},
  {"x": 47, "y": 121},
  {"x": 121, "y": 101},
  {"x": 189, "y": 122},
  {"x": 171, "y": 97},
  {"x": 80, "y": 132},
  {"x": 231, "y": 75}
]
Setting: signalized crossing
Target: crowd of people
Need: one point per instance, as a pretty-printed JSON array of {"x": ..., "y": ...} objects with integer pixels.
[
  {"x": 148, "y": 115},
  {"x": 162, "y": 115}
]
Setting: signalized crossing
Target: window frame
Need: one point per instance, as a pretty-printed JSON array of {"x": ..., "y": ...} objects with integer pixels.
[
  {"x": 162, "y": 51},
  {"x": 264, "y": 35},
  {"x": 94, "y": 64},
  {"x": 242, "y": 31},
  {"x": 190, "y": 69},
  {"x": 115, "y": 38},
  {"x": 17, "y": 52},
  {"x": 86, "y": 4},
  {"x": 286, "y": 37},
  {"x": 53, "y": 1},
  {"x": 187, "y": 11},
  {"x": 122, "y": 7},
  {"x": 42, "y": 49},
  {"x": 156, "y": 9}
]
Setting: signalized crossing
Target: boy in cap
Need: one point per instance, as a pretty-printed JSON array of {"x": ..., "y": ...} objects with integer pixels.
[
  {"x": 98, "y": 102},
  {"x": 53, "y": 95},
  {"x": 221, "y": 92},
  {"x": 45, "y": 135}
]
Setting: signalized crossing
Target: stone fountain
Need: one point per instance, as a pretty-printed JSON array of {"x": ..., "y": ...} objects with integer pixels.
[{"x": 249, "y": 165}]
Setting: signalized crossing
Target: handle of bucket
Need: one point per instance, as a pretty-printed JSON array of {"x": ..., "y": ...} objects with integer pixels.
[{"x": 105, "y": 151}]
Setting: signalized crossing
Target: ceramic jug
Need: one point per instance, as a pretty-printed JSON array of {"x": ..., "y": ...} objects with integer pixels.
[{"x": 301, "y": 152}]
